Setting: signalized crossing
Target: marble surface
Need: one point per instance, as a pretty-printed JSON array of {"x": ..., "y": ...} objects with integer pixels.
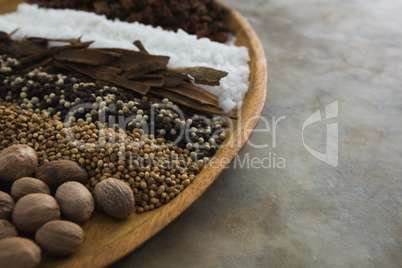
[{"x": 308, "y": 213}]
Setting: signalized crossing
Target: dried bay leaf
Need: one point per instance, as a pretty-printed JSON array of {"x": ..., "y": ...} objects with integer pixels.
[
  {"x": 153, "y": 80},
  {"x": 139, "y": 69},
  {"x": 40, "y": 54},
  {"x": 173, "y": 78},
  {"x": 181, "y": 100},
  {"x": 202, "y": 75},
  {"x": 126, "y": 83},
  {"x": 109, "y": 74},
  {"x": 195, "y": 93},
  {"x": 63, "y": 40},
  {"x": 94, "y": 57},
  {"x": 129, "y": 58}
]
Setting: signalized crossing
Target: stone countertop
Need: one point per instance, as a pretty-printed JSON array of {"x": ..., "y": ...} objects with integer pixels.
[{"x": 301, "y": 211}]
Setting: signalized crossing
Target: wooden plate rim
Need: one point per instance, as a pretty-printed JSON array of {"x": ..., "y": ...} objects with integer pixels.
[{"x": 253, "y": 107}]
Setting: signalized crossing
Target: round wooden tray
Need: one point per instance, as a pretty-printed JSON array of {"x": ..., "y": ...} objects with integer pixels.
[{"x": 107, "y": 240}]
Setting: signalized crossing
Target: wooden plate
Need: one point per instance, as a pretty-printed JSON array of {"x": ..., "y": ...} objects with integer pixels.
[{"x": 107, "y": 239}]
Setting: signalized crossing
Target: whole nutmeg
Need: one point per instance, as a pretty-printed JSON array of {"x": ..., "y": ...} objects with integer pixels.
[
  {"x": 75, "y": 201},
  {"x": 18, "y": 252},
  {"x": 28, "y": 185},
  {"x": 115, "y": 198},
  {"x": 17, "y": 161},
  {"x": 34, "y": 210},
  {"x": 60, "y": 238},
  {"x": 7, "y": 229},
  {"x": 6, "y": 205},
  {"x": 56, "y": 173}
]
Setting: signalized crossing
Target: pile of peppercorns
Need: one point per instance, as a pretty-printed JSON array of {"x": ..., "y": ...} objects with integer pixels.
[{"x": 58, "y": 94}]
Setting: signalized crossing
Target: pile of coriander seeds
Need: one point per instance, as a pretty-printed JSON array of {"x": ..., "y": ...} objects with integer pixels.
[{"x": 156, "y": 148}]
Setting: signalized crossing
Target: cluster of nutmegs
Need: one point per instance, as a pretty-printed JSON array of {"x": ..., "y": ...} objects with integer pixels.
[{"x": 29, "y": 209}]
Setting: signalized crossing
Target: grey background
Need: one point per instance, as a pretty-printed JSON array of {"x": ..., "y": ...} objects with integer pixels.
[{"x": 308, "y": 214}]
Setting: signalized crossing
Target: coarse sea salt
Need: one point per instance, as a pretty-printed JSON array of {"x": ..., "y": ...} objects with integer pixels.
[{"x": 185, "y": 50}]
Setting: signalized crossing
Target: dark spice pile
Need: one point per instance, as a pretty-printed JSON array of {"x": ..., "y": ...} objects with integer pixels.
[
  {"x": 57, "y": 94},
  {"x": 137, "y": 71},
  {"x": 204, "y": 18}
]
